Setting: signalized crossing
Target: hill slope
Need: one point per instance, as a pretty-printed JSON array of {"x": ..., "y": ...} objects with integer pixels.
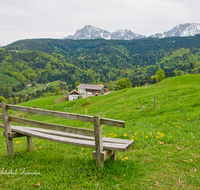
[
  {"x": 115, "y": 59},
  {"x": 165, "y": 153}
]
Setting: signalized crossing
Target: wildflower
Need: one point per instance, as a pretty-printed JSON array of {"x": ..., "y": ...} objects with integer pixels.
[
  {"x": 132, "y": 139},
  {"x": 193, "y": 114},
  {"x": 146, "y": 137},
  {"x": 157, "y": 137},
  {"x": 125, "y": 135},
  {"x": 120, "y": 156},
  {"x": 16, "y": 141},
  {"x": 163, "y": 142},
  {"x": 85, "y": 154},
  {"x": 135, "y": 133},
  {"x": 189, "y": 119},
  {"x": 174, "y": 123},
  {"x": 192, "y": 133},
  {"x": 126, "y": 158},
  {"x": 158, "y": 122},
  {"x": 136, "y": 138},
  {"x": 40, "y": 147}
]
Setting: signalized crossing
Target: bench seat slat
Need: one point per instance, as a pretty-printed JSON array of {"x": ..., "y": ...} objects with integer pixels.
[
  {"x": 64, "y": 134},
  {"x": 72, "y": 141}
]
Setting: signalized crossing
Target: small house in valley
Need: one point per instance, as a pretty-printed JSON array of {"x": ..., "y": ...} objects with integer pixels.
[
  {"x": 73, "y": 95},
  {"x": 91, "y": 89}
]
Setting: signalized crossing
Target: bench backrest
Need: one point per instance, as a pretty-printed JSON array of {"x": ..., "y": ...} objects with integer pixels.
[{"x": 65, "y": 115}]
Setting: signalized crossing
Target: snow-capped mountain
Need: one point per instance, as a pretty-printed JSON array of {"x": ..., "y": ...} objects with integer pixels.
[
  {"x": 90, "y": 32},
  {"x": 188, "y": 29}
]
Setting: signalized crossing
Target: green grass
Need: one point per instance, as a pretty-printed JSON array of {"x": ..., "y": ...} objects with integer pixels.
[
  {"x": 54, "y": 84},
  {"x": 165, "y": 154},
  {"x": 33, "y": 89}
]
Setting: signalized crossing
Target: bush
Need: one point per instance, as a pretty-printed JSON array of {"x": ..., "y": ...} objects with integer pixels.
[{"x": 124, "y": 83}]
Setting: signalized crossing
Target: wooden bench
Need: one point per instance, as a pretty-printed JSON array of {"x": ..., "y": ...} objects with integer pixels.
[{"x": 105, "y": 147}]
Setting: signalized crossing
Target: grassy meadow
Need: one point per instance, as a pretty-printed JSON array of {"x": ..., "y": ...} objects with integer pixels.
[{"x": 165, "y": 155}]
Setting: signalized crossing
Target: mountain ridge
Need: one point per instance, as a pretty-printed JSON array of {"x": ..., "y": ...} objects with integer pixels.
[{"x": 91, "y": 32}]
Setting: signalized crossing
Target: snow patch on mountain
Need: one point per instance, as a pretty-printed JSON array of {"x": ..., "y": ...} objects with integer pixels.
[
  {"x": 90, "y": 32},
  {"x": 187, "y": 29}
]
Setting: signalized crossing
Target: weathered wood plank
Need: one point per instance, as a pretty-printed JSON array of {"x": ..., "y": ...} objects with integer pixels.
[
  {"x": 75, "y": 130},
  {"x": 29, "y": 143},
  {"x": 72, "y": 141},
  {"x": 14, "y": 135},
  {"x": 1, "y": 116},
  {"x": 112, "y": 122},
  {"x": 66, "y": 115},
  {"x": 64, "y": 134},
  {"x": 7, "y": 127},
  {"x": 98, "y": 141}
]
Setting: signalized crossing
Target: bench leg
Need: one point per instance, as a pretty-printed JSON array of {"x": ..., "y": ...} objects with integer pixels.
[
  {"x": 29, "y": 143},
  {"x": 9, "y": 144},
  {"x": 114, "y": 156},
  {"x": 7, "y": 127},
  {"x": 98, "y": 141}
]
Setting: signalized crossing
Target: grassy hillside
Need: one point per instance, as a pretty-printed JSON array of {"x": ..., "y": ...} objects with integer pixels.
[{"x": 165, "y": 154}]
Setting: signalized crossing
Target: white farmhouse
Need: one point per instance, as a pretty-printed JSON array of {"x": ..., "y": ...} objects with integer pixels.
[
  {"x": 73, "y": 95},
  {"x": 91, "y": 89}
]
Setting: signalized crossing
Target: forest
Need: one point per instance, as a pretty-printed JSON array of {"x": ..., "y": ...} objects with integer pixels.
[{"x": 39, "y": 61}]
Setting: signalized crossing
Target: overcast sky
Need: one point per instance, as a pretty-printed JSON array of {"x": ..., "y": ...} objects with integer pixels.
[{"x": 22, "y": 19}]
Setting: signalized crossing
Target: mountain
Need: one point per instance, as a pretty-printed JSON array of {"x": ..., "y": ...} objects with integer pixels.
[
  {"x": 188, "y": 29},
  {"x": 91, "y": 32}
]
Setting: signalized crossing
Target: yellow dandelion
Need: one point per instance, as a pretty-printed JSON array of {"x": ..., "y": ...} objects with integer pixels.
[
  {"x": 157, "y": 137},
  {"x": 132, "y": 139},
  {"x": 126, "y": 158},
  {"x": 193, "y": 114},
  {"x": 163, "y": 142},
  {"x": 171, "y": 136},
  {"x": 135, "y": 133},
  {"x": 147, "y": 137},
  {"x": 120, "y": 156},
  {"x": 85, "y": 154},
  {"x": 192, "y": 133},
  {"x": 174, "y": 123},
  {"x": 16, "y": 141},
  {"x": 136, "y": 138},
  {"x": 125, "y": 135},
  {"x": 158, "y": 122},
  {"x": 40, "y": 147},
  {"x": 189, "y": 119}
]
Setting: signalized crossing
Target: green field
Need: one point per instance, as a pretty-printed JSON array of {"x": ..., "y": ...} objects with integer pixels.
[
  {"x": 165, "y": 155},
  {"x": 34, "y": 89}
]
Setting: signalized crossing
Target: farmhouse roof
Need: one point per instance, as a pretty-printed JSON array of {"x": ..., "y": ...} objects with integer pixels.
[
  {"x": 73, "y": 92},
  {"x": 91, "y": 86}
]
